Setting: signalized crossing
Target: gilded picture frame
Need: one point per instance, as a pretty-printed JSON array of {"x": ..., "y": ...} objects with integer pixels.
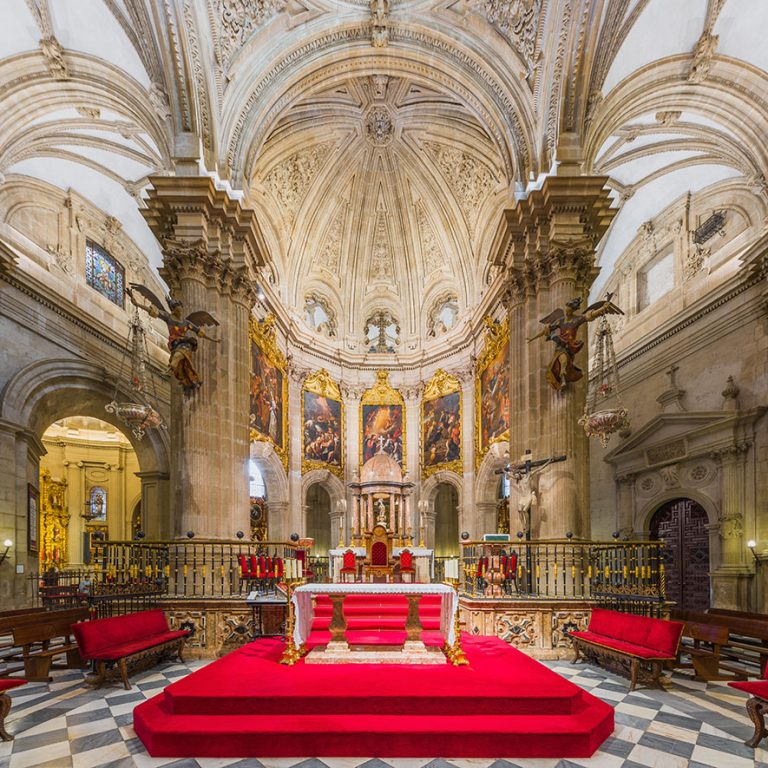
[
  {"x": 322, "y": 394},
  {"x": 380, "y": 396},
  {"x": 493, "y": 360},
  {"x": 268, "y": 411},
  {"x": 440, "y": 402}
]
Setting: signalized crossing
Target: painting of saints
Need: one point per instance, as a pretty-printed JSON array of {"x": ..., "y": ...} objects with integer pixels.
[
  {"x": 383, "y": 427},
  {"x": 266, "y": 415},
  {"x": 322, "y": 429},
  {"x": 441, "y": 430},
  {"x": 494, "y": 398}
]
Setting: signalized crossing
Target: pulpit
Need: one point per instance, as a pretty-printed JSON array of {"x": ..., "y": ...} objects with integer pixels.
[{"x": 379, "y": 564}]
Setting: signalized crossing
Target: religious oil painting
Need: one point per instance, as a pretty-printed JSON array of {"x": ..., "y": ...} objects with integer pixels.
[
  {"x": 492, "y": 389},
  {"x": 383, "y": 427},
  {"x": 268, "y": 387},
  {"x": 494, "y": 397},
  {"x": 266, "y": 397},
  {"x": 322, "y": 429},
  {"x": 441, "y": 427}
]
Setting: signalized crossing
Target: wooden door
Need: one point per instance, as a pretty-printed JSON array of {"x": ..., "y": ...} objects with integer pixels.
[{"x": 681, "y": 523}]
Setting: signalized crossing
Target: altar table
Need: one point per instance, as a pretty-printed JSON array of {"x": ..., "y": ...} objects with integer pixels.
[{"x": 304, "y": 612}]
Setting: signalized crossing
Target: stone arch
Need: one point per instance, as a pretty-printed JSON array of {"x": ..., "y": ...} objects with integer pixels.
[
  {"x": 487, "y": 480},
  {"x": 429, "y": 486},
  {"x": 48, "y": 390},
  {"x": 649, "y": 509},
  {"x": 325, "y": 478},
  {"x": 275, "y": 478}
]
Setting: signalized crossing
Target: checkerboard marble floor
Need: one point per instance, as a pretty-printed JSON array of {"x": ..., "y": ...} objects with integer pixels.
[{"x": 690, "y": 725}]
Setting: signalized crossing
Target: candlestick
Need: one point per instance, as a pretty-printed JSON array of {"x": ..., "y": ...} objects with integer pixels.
[{"x": 341, "y": 532}]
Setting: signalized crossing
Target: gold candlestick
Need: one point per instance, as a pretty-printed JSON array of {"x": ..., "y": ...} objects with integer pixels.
[
  {"x": 291, "y": 654},
  {"x": 455, "y": 652}
]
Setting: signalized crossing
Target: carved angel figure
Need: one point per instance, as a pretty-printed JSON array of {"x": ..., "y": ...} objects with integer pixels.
[
  {"x": 182, "y": 333},
  {"x": 562, "y": 327}
]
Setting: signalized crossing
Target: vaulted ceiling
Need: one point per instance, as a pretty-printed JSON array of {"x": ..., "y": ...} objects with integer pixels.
[{"x": 379, "y": 146}]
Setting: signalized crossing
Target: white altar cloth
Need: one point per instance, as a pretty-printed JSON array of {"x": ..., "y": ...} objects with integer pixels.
[{"x": 304, "y": 613}]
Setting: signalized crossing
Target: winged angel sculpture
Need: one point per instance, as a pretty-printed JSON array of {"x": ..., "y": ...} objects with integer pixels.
[
  {"x": 183, "y": 333},
  {"x": 562, "y": 327}
]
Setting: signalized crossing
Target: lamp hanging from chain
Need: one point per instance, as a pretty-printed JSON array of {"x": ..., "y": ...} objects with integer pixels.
[
  {"x": 139, "y": 415},
  {"x": 603, "y": 422}
]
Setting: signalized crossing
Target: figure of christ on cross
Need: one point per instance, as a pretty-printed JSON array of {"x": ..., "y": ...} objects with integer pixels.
[{"x": 526, "y": 477}]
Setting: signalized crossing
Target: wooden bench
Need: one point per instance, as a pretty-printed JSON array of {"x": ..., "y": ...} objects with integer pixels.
[
  {"x": 708, "y": 639},
  {"x": 38, "y": 638},
  {"x": 747, "y": 640},
  {"x": 644, "y": 643},
  {"x": 114, "y": 642}
]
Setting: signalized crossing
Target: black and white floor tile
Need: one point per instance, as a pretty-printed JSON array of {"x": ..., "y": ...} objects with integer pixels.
[{"x": 66, "y": 724}]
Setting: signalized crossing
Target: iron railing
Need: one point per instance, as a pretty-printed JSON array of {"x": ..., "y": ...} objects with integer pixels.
[{"x": 609, "y": 571}]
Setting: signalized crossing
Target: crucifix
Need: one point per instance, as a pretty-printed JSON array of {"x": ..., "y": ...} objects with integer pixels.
[{"x": 526, "y": 476}]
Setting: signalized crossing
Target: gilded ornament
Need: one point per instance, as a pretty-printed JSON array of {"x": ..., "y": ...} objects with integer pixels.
[
  {"x": 382, "y": 393},
  {"x": 496, "y": 338},
  {"x": 441, "y": 385}
]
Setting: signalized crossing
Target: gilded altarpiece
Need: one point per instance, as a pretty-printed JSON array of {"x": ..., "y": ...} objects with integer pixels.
[
  {"x": 268, "y": 415},
  {"x": 322, "y": 437},
  {"x": 441, "y": 425},
  {"x": 492, "y": 389},
  {"x": 382, "y": 421},
  {"x": 54, "y": 523}
]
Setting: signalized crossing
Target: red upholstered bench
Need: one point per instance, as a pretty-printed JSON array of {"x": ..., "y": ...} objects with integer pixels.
[
  {"x": 757, "y": 706},
  {"x": 131, "y": 637},
  {"x": 645, "y": 643},
  {"x": 5, "y": 703}
]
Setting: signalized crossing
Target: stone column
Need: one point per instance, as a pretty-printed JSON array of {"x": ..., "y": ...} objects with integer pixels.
[
  {"x": 730, "y": 579},
  {"x": 625, "y": 517},
  {"x": 466, "y": 378},
  {"x": 298, "y": 519},
  {"x": 212, "y": 249},
  {"x": 412, "y": 464},
  {"x": 547, "y": 245},
  {"x": 154, "y": 491}
]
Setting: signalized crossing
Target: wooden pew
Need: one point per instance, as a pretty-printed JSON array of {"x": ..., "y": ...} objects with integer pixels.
[
  {"x": 708, "y": 640},
  {"x": 747, "y": 641},
  {"x": 39, "y": 637}
]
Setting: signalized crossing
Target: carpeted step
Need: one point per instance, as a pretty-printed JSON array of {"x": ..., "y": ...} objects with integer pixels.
[
  {"x": 321, "y": 735},
  {"x": 375, "y": 637},
  {"x": 375, "y": 622}
]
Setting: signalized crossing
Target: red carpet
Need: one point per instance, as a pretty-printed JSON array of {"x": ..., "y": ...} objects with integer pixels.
[{"x": 247, "y": 705}]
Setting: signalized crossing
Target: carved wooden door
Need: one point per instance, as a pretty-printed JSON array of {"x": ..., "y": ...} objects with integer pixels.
[{"x": 682, "y": 525}]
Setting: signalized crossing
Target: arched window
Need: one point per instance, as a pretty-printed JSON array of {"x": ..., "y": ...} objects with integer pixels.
[
  {"x": 256, "y": 485},
  {"x": 97, "y": 504},
  {"x": 103, "y": 273},
  {"x": 382, "y": 332}
]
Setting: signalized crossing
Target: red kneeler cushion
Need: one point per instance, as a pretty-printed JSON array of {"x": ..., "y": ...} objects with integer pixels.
[
  {"x": 8, "y": 684},
  {"x": 757, "y": 688}
]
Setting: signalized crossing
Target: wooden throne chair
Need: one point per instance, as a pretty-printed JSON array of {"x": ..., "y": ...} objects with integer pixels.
[{"x": 378, "y": 565}]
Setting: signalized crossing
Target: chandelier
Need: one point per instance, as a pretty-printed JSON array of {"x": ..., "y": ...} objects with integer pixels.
[
  {"x": 137, "y": 414},
  {"x": 598, "y": 421}
]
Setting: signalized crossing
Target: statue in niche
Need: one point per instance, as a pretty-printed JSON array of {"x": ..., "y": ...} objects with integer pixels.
[
  {"x": 183, "y": 333},
  {"x": 562, "y": 327}
]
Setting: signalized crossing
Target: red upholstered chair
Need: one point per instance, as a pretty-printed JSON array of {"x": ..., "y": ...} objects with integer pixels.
[
  {"x": 407, "y": 571},
  {"x": 510, "y": 573},
  {"x": 349, "y": 566},
  {"x": 378, "y": 562},
  {"x": 5, "y": 703},
  {"x": 301, "y": 556}
]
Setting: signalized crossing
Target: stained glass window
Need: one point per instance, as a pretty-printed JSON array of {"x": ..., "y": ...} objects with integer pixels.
[
  {"x": 103, "y": 273},
  {"x": 98, "y": 504}
]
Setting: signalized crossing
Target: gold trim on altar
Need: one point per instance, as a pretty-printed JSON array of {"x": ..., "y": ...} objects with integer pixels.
[
  {"x": 321, "y": 383},
  {"x": 382, "y": 393},
  {"x": 54, "y": 519},
  {"x": 496, "y": 337},
  {"x": 440, "y": 385},
  {"x": 262, "y": 333}
]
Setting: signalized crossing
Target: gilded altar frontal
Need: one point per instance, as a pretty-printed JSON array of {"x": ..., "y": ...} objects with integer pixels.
[{"x": 414, "y": 335}]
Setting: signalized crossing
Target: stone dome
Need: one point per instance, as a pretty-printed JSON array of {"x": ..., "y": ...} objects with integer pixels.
[{"x": 381, "y": 468}]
